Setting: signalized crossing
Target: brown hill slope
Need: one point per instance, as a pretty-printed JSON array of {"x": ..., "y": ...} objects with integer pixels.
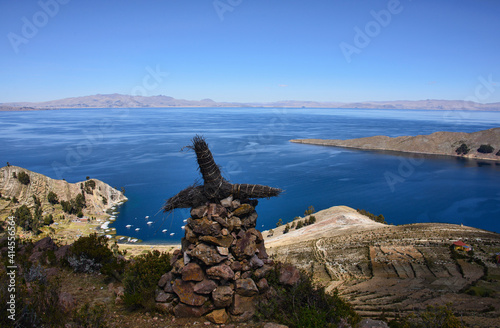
[
  {"x": 438, "y": 143},
  {"x": 388, "y": 269},
  {"x": 99, "y": 196}
]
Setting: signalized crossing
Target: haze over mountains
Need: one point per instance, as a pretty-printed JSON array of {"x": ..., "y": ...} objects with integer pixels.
[{"x": 126, "y": 101}]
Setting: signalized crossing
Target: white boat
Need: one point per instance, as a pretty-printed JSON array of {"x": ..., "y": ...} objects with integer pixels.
[
  {"x": 183, "y": 227},
  {"x": 150, "y": 222},
  {"x": 185, "y": 220},
  {"x": 164, "y": 230},
  {"x": 147, "y": 216},
  {"x": 173, "y": 233},
  {"x": 121, "y": 238},
  {"x": 137, "y": 229},
  {"x": 128, "y": 226},
  {"x": 109, "y": 236}
]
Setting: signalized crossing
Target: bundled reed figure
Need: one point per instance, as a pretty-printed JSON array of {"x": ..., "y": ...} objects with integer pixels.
[{"x": 215, "y": 187}]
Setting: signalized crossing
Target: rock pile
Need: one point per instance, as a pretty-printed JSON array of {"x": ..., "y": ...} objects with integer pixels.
[{"x": 221, "y": 267}]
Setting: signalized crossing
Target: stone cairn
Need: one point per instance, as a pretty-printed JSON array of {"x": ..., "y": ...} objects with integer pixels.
[{"x": 222, "y": 266}]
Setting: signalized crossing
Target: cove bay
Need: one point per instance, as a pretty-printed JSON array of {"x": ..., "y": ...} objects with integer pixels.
[{"x": 140, "y": 150}]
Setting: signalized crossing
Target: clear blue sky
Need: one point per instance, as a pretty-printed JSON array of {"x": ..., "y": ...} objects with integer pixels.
[{"x": 251, "y": 50}]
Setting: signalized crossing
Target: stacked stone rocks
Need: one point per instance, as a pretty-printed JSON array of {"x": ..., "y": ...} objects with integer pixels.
[{"x": 222, "y": 266}]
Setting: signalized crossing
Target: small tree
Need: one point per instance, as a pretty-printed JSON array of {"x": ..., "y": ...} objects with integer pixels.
[
  {"x": 300, "y": 224},
  {"x": 312, "y": 219},
  {"x": 287, "y": 228},
  {"x": 24, "y": 178},
  {"x": 293, "y": 225},
  {"x": 52, "y": 198},
  {"x": 309, "y": 211},
  {"x": 485, "y": 149},
  {"x": 462, "y": 150},
  {"x": 48, "y": 220},
  {"x": 279, "y": 223}
]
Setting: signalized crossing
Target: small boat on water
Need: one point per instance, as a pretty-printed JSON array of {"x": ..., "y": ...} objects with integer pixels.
[
  {"x": 137, "y": 229},
  {"x": 121, "y": 238},
  {"x": 183, "y": 227},
  {"x": 185, "y": 220},
  {"x": 164, "y": 230},
  {"x": 128, "y": 226},
  {"x": 173, "y": 233},
  {"x": 147, "y": 216},
  {"x": 150, "y": 222}
]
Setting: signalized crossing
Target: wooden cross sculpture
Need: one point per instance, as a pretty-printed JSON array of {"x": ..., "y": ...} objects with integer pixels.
[{"x": 215, "y": 187}]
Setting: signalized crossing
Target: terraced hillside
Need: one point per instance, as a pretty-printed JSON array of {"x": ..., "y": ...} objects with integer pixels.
[{"x": 385, "y": 269}]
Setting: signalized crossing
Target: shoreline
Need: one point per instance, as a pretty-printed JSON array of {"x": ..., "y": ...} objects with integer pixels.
[
  {"x": 388, "y": 151},
  {"x": 464, "y": 145}
]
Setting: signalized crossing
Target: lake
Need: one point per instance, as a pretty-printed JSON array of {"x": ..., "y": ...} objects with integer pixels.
[{"x": 140, "y": 150}]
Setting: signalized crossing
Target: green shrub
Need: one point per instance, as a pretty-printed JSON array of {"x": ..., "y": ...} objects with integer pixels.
[
  {"x": 91, "y": 316},
  {"x": 92, "y": 254},
  {"x": 24, "y": 218},
  {"x": 24, "y": 178},
  {"x": 141, "y": 279},
  {"x": 300, "y": 224},
  {"x": 14, "y": 200},
  {"x": 287, "y": 228},
  {"x": 52, "y": 198},
  {"x": 304, "y": 304},
  {"x": 309, "y": 211},
  {"x": 377, "y": 218},
  {"x": 48, "y": 220},
  {"x": 312, "y": 219},
  {"x": 462, "y": 150},
  {"x": 485, "y": 149}
]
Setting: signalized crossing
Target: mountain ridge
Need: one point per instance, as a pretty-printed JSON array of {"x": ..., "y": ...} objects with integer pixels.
[{"x": 127, "y": 101}]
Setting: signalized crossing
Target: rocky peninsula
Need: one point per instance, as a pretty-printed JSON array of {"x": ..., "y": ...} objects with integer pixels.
[
  {"x": 53, "y": 205},
  {"x": 483, "y": 144}
]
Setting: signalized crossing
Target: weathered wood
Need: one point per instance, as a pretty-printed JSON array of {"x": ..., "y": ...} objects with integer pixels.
[{"x": 215, "y": 187}]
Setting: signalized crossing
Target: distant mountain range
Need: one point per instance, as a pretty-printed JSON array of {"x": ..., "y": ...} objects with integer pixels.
[{"x": 125, "y": 101}]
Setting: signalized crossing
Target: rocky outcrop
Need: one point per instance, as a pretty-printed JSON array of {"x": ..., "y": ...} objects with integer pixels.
[
  {"x": 99, "y": 196},
  {"x": 438, "y": 143},
  {"x": 222, "y": 267}
]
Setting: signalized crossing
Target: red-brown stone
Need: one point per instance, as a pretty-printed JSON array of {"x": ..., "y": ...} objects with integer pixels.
[
  {"x": 185, "y": 291},
  {"x": 192, "y": 272},
  {"x": 219, "y": 272}
]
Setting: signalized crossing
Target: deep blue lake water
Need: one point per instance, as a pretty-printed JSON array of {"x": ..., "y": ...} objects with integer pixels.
[{"x": 140, "y": 150}]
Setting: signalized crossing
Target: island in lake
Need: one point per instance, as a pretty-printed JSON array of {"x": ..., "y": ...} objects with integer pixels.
[{"x": 483, "y": 144}]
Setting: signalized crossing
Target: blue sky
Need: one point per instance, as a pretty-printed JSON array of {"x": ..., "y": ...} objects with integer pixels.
[{"x": 251, "y": 50}]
